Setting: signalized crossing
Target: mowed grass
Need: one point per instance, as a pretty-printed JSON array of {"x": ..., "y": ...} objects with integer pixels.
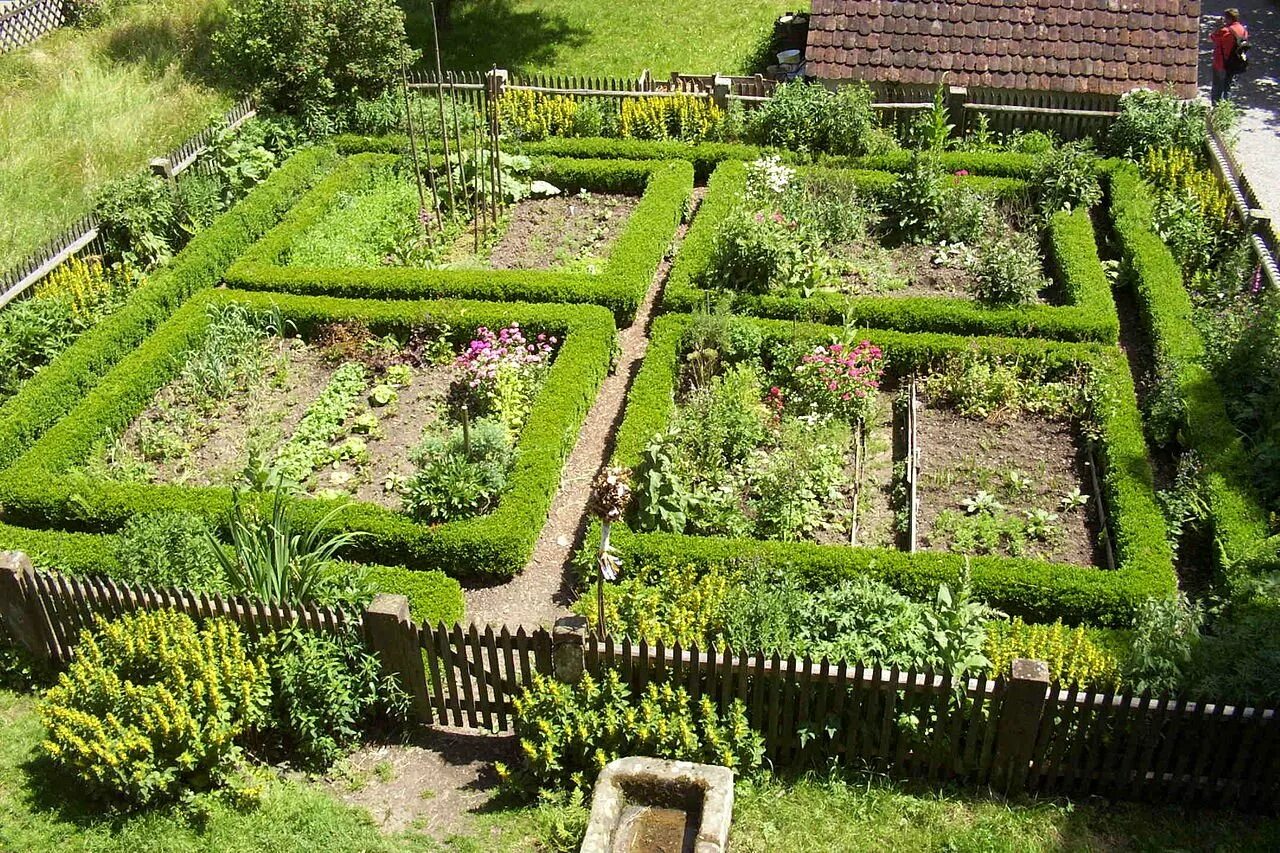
[
  {"x": 80, "y": 107},
  {"x": 39, "y": 810},
  {"x": 622, "y": 37}
]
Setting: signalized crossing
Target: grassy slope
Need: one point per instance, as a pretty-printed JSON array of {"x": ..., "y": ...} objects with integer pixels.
[
  {"x": 586, "y": 37},
  {"x": 80, "y": 107},
  {"x": 808, "y": 815}
]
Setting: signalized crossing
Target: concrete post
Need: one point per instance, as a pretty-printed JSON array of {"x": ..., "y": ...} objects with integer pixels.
[
  {"x": 391, "y": 636},
  {"x": 161, "y": 167},
  {"x": 720, "y": 92},
  {"x": 1024, "y": 701},
  {"x": 19, "y": 605},
  {"x": 568, "y": 655},
  {"x": 495, "y": 83},
  {"x": 956, "y": 98}
]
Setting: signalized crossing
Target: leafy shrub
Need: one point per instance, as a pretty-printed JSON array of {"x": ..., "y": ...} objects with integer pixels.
[
  {"x": 756, "y": 252},
  {"x": 89, "y": 13},
  {"x": 723, "y": 420},
  {"x": 92, "y": 288},
  {"x": 315, "y": 59},
  {"x": 1166, "y": 632},
  {"x": 459, "y": 474},
  {"x": 981, "y": 386},
  {"x": 326, "y": 692},
  {"x": 925, "y": 204},
  {"x": 569, "y": 733},
  {"x": 1237, "y": 661},
  {"x": 839, "y": 380},
  {"x": 797, "y": 485},
  {"x": 682, "y": 117},
  {"x": 1150, "y": 119},
  {"x": 535, "y": 115},
  {"x": 1067, "y": 178},
  {"x": 1008, "y": 270},
  {"x": 32, "y": 333},
  {"x": 502, "y": 372},
  {"x": 809, "y": 117},
  {"x": 674, "y": 603},
  {"x": 152, "y": 707},
  {"x": 434, "y": 597},
  {"x": 169, "y": 549},
  {"x": 19, "y": 669},
  {"x": 1074, "y": 655},
  {"x": 138, "y": 217}
]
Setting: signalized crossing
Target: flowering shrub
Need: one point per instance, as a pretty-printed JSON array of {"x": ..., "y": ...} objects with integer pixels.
[
  {"x": 501, "y": 371},
  {"x": 768, "y": 180},
  {"x": 758, "y": 251},
  {"x": 839, "y": 380}
]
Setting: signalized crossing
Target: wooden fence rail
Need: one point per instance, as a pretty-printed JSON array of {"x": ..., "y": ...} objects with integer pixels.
[{"x": 1019, "y": 733}]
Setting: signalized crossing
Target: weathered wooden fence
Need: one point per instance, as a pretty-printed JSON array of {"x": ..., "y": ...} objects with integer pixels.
[
  {"x": 23, "y": 23},
  {"x": 1248, "y": 206},
  {"x": 83, "y": 237},
  {"x": 1014, "y": 734}
]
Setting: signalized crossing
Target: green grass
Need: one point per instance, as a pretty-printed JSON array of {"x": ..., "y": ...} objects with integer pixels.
[
  {"x": 80, "y": 107},
  {"x": 588, "y": 37},
  {"x": 39, "y": 811}
]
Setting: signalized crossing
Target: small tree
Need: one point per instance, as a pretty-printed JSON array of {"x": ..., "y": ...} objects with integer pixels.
[{"x": 315, "y": 59}]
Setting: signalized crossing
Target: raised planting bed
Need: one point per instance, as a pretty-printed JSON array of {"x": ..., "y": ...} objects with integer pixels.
[
  {"x": 833, "y": 245},
  {"x": 359, "y": 234},
  {"x": 780, "y": 488},
  {"x": 444, "y": 442}
]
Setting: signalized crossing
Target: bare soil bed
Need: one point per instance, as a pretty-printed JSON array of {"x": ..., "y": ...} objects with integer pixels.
[
  {"x": 905, "y": 271},
  {"x": 979, "y": 476},
  {"x": 574, "y": 231}
]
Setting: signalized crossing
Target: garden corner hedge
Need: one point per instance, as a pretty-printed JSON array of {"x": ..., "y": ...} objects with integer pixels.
[
  {"x": 52, "y": 392},
  {"x": 1035, "y": 589},
  {"x": 1088, "y": 315},
  {"x": 1235, "y": 511},
  {"x": 44, "y": 488},
  {"x": 621, "y": 286}
]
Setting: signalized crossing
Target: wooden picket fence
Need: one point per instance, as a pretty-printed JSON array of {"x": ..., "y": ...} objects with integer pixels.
[
  {"x": 1013, "y": 734},
  {"x": 23, "y": 23},
  {"x": 1248, "y": 206}
]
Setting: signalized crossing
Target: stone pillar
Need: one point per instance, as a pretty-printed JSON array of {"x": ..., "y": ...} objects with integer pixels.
[
  {"x": 568, "y": 655},
  {"x": 956, "y": 97},
  {"x": 1024, "y": 701},
  {"x": 20, "y": 606},
  {"x": 161, "y": 167},
  {"x": 495, "y": 83},
  {"x": 391, "y": 636},
  {"x": 720, "y": 92}
]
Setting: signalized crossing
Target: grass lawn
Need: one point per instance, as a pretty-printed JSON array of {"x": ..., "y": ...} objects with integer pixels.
[
  {"x": 588, "y": 37},
  {"x": 80, "y": 107},
  {"x": 37, "y": 813}
]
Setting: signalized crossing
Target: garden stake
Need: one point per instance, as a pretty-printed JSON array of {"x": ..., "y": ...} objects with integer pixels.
[
  {"x": 413, "y": 149},
  {"x": 444, "y": 132},
  {"x": 477, "y": 204},
  {"x": 457, "y": 136},
  {"x": 466, "y": 433},
  {"x": 859, "y": 458},
  {"x": 913, "y": 468},
  {"x": 431, "y": 175},
  {"x": 609, "y": 496}
]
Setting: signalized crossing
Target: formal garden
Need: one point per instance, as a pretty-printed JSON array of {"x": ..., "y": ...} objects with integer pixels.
[{"x": 792, "y": 379}]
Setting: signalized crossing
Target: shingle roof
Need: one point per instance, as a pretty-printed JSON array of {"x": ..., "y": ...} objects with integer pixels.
[{"x": 1095, "y": 46}]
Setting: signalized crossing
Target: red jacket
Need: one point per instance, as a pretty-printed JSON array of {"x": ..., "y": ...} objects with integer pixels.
[{"x": 1224, "y": 41}]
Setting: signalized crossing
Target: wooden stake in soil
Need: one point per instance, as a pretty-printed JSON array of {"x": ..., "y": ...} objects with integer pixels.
[
  {"x": 913, "y": 467},
  {"x": 431, "y": 175},
  {"x": 477, "y": 201},
  {"x": 444, "y": 125},
  {"x": 457, "y": 135},
  {"x": 413, "y": 148},
  {"x": 859, "y": 464},
  {"x": 1103, "y": 531}
]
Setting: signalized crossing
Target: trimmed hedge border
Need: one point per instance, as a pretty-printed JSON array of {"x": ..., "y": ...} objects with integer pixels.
[
  {"x": 52, "y": 392},
  {"x": 1035, "y": 589},
  {"x": 42, "y": 489},
  {"x": 1090, "y": 314},
  {"x": 1238, "y": 517},
  {"x": 621, "y": 286}
]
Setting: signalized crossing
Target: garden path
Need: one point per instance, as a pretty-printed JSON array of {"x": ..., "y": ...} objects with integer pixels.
[
  {"x": 545, "y": 589},
  {"x": 1256, "y": 93}
]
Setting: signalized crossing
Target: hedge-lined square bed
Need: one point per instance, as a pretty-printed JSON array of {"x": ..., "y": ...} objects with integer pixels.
[
  {"x": 903, "y": 284},
  {"x": 633, "y": 207},
  {"x": 318, "y": 421},
  {"x": 1035, "y": 533}
]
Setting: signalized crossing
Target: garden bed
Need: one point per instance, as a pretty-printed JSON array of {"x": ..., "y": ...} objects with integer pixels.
[
  {"x": 341, "y": 239},
  {"x": 56, "y": 485}
]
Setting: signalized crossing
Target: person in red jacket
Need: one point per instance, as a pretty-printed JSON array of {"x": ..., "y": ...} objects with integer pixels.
[{"x": 1224, "y": 40}]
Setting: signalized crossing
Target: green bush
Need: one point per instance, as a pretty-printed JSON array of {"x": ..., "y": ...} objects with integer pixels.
[
  {"x": 569, "y": 733},
  {"x": 809, "y": 117},
  {"x": 434, "y": 597},
  {"x": 1068, "y": 179},
  {"x": 315, "y": 59},
  {"x": 1150, "y": 119},
  {"x": 1076, "y": 655},
  {"x": 168, "y": 549},
  {"x": 153, "y": 707},
  {"x": 138, "y": 219}
]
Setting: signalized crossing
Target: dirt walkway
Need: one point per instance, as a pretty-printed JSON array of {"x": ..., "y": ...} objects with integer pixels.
[
  {"x": 1256, "y": 94},
  {"x": 545, "y": 589}
]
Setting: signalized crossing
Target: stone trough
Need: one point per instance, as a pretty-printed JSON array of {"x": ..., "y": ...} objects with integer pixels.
[{"x": 648, "y": 805}]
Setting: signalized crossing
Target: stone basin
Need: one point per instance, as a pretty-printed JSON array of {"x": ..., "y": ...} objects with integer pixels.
[{"x": 650, "y": 805}]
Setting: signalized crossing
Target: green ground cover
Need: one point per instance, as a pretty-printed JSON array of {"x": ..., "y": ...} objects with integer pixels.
[{"x": 81, "y": 107}]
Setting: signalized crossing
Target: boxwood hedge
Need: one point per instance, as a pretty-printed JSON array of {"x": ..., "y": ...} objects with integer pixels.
[
  {"x": 44, "y": 489},
  {"x": 1236, "y": 513},
  {"x": 1035, "y": 589},
  {"x": 53, "y": 391},
  {"x": 1088, "y": 315},
  {"x": 632, "y": 262}
]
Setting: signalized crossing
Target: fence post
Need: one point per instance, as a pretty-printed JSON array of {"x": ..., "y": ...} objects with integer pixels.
[
  {"x": 720, "y": 91},
  {"x": 163, "y": 168},
  {"x": 568, "y": 656},
  {"x": 20, "y": 605},
  {"x": 495, "y": 83},
  {"x": 393, "y": 637},
  {"x": 1024, "y": 701},
  {"x": 956, "y": 97}
]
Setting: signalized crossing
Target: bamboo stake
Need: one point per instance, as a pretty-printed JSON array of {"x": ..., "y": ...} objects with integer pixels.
[
  {"x": 913, "y": 469},
  {"x": 444, "y": 133},
  {"x": 457, "y": 136},
  {"x": 413, "y": 146},
  {"x": 859, "y": 461},
  {"x": 431, "y": 175},
  {"x": 477, "y": 204}
]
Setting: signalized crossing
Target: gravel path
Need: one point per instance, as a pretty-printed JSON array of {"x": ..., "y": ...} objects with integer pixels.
[
  {"x": 545, "y": 589},
  {"x": 1256, "y": 93}
]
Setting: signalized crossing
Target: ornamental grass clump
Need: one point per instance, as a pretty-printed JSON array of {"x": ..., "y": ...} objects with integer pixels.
[
  {"x": 568, "y": 733},
  {"x": 153, "y": 707}
]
